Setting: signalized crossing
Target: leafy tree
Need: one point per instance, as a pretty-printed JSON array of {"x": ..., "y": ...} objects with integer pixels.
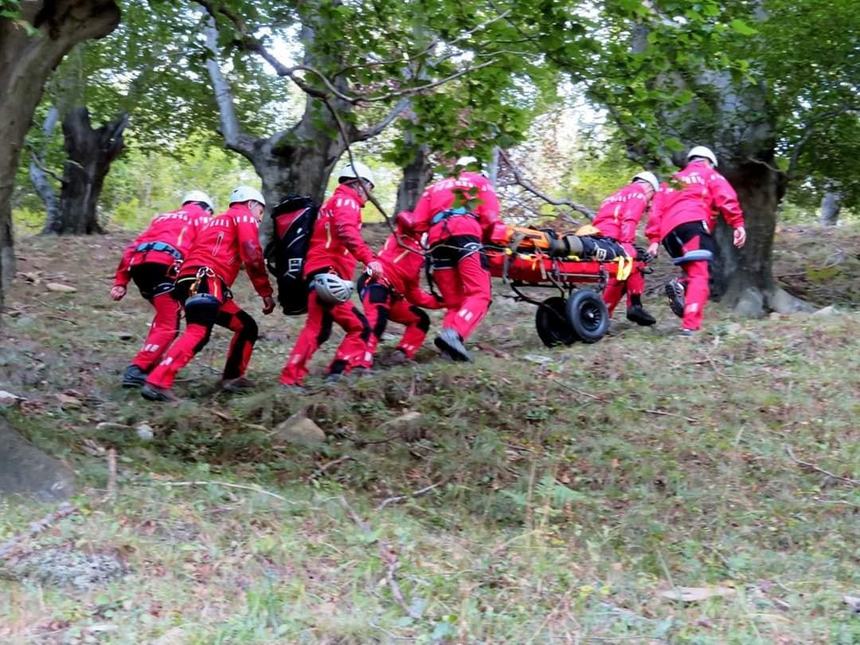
[
  {"x": 136, "y": 76},
  {"x": 726, "y": 75},
  {"x": 34, "y": 37}
]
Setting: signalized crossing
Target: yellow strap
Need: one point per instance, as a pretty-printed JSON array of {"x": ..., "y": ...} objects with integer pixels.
[{"x": 625, "y": 267}]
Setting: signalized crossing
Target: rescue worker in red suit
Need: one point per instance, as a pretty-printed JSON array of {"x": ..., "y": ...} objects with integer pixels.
[
  {"x": 152, "y": 261},
  {"x": 618, "y": 218},
  {"x": 460, "y": 213},
  {"x": 223, "y": 245},
  {"x": 336, "y": 247},
  {"x": 683, "y": 219},
  {"x": 399, "y": 296}
]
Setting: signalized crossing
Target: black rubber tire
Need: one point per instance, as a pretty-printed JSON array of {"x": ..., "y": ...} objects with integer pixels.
[
  {"x": 551, "y": 323},
  {"x": 587, "y": 315}
]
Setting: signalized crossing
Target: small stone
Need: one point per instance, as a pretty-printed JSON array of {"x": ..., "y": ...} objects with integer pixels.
[
  {"x": 60, "y": 288},
  {"x": 408, "y": 425},
  {"x": 829, "y": 310},
  {"x": 145, "y": 432},
  {"x": 8, "y": 399},
  {"x": 298, "y": 429},
  {"x": 110, "y": 425}
]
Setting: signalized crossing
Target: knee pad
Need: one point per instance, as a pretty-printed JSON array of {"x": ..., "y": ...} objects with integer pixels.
[
  {"x": 250, "y": 330},
  {"x": 202, "y": 308},
  {"x": 694, "y": 256},
  {"x": 423, "y": 319},
  {"x": 381, "y": 321},
  {"x": 378, "y": 293}
]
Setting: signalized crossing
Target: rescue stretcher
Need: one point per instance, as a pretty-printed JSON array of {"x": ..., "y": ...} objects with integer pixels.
[{"x": 534, "y": 258}]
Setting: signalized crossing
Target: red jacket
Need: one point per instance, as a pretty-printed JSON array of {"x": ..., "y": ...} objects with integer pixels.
[
  {"x": 620, "y": 213},
  {"x": 470, "y": 190},
  {"x": 176, "y": 229},
  {"x": 225, "y": 243},
  {"x": 403, "y": 270},
  {"x": 336, "y": 242},
  {"x": 700, "y": 194}
]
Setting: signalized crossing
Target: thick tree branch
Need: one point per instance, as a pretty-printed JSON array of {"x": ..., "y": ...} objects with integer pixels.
[
  {"x": 373, "y": 130},
  {"x": 295, "y": 73},
  {"x": 530, "y": 187},
  {"x": 234, "y": 137}
]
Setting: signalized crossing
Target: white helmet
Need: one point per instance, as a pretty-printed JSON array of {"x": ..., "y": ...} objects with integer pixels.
[
  {"x": 331, "y": 288},
  {"x": 702, "y": 151},
  {"x": 199, "y": 196},
  {"x": 356, "y": 170},
  {"x": 246, "y": 194},
  {"x": 649, "y": 177},
  {"x": 468, "y": 160}
]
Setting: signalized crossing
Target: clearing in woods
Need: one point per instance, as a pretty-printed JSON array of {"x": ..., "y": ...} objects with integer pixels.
[{"x": 538, "y": 495}]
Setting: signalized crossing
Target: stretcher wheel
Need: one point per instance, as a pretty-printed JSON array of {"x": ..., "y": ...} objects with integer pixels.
[
  {"x": 552, "y": 325},
  {"x": 588, "y": 315}
]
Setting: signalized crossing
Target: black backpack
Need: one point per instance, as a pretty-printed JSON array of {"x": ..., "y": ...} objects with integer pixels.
[{"x": 294, "y": 220}]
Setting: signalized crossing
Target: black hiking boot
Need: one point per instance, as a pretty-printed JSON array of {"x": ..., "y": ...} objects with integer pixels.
[
  {"x": 675, "y": 293},
  {"x": 161, "y": 394},
  {"x": 451, "y": 344},
  {"x": 133, "y": 376},
  {"x": 637, "y": 314}
]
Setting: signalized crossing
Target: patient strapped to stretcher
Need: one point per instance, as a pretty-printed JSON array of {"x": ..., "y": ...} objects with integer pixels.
[{"x": 538, "y": 256}]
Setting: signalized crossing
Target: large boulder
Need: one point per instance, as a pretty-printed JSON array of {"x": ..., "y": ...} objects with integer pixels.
[{"x": 26, "y": 470}]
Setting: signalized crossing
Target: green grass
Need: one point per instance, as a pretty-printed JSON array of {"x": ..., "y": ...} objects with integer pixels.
[{"x": 570, "y": 494}]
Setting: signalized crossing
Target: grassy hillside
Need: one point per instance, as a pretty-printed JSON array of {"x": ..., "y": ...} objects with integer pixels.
[{"x": 541, "y": 495}]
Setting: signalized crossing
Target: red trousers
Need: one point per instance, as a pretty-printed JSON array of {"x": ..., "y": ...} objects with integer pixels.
[
  {"x": 466, "y": 291},
  {"x": 155, "y": 282},
  {"x": 352, "y": 352},
  {"x": 200, "y": 319},
  {"x": 381, "y": 305},
  {"x": 692, "y": 236},
  {"x": 634, "y": 285}
]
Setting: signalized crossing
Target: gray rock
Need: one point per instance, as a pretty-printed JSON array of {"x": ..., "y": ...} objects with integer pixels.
[
  {"x": 298, "y": 429},
  {"x": 26, "y": 470},
  {"x": 64, "y": 566},
  {"x": 751, "y": 303},
  {"x": 824, "y": 312}
]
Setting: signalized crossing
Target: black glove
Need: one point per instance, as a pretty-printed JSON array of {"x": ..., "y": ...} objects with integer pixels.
[{"x": 642, "y": 254}]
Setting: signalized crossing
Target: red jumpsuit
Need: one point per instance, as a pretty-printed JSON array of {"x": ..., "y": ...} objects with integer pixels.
[
  {"x": 683, "y": 219},
  {"x": 460, "y": 213},
  {"x": 336, "y": 246},
  {"x": 618, "y": 219},
  {"x": 151, "y": 261},
  {"x": 399, "y": 296},
  {"x": 223, "y": 245}
]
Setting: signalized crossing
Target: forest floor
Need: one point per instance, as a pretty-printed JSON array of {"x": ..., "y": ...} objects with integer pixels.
[{"x": 646, "y": 488}]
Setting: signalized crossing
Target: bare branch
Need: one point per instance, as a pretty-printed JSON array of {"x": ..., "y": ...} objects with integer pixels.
[
  {"x": 234, "y": 137},
  {"x": 417, "y": 493},
  {"x": 253, "y": 44},
  {"x": 530, "y": 187},
  {"x": 37, "y": 161},
  {"x": 10, "y": 545},
  {"x": 811, "y": 466},
  {"x": 373, "y": 130}
]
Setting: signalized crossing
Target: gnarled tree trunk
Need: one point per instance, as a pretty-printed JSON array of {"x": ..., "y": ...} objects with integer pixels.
[
  {"x": 90, "y": 152},
  {"x": 299, "y": 160},
  {"x": 416, "y": 175},
  {"x": 26, "y": 60}
]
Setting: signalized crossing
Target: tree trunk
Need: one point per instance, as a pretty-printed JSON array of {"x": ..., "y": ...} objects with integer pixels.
[
  {"x": 831, "y": 204},
  {"x": 743, "y": 278},
  {"x": 39, "y": 175},
  {"x": 26, "y": 61},
  {"x": 416, "y": 175},
  {"x": 90, "y": 152}
]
